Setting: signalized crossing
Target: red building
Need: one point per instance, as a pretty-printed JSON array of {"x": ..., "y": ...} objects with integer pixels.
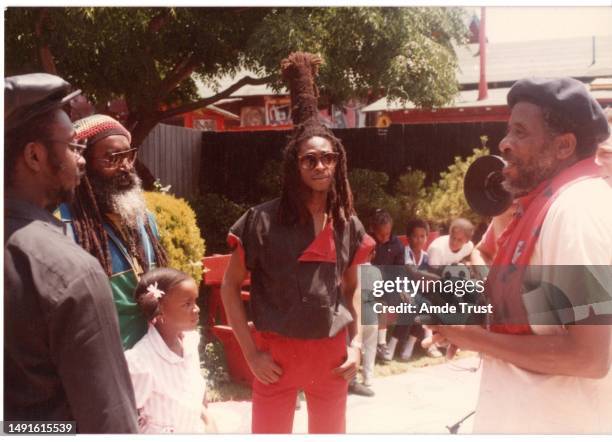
[{"x": 259, "y": 107}]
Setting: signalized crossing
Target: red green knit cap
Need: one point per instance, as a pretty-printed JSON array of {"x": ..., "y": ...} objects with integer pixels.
[{"x": 97, "y": 127}]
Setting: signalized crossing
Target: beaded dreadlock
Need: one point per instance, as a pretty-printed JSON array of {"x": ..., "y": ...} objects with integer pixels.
[
  {"x": 88, "y": 219},
  {"x": 299, "y": 70}
]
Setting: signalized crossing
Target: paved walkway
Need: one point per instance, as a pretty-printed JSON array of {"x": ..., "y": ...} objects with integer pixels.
[{"x": 422, "y": 400}]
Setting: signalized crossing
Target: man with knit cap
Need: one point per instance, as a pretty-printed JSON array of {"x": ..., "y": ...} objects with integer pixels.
[
  {"x": 548, "y": 344},
  {"x": 303, "y": 250},
  {"x": 109, "y": 219},
  {"x": 63, "y": 359}
]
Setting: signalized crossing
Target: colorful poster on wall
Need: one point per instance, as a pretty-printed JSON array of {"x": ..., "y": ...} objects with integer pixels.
[
  {"x": 252, "y": 116},
  {"x": 343, "y": 117},
  {"x": 278, "y": 111},
  {"x": 205, "y": 124}
]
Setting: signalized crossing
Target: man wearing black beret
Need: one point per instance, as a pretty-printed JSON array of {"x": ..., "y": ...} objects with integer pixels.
[
  {"x": 63, "y": 359},
  {"x": 547, "y": 348}
]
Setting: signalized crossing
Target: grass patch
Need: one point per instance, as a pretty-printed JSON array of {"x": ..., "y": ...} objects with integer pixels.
[
  {"x": 229, "y": 391},
  {"x": 419, "y": 361}
]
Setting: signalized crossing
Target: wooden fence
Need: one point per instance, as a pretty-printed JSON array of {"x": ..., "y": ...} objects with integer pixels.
[
  {"x": 232, "y": 162},
  {"x": 172, "y": 154}
]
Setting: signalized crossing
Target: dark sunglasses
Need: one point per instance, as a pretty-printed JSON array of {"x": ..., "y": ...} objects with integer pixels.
[
  {"x": 116, "y": 159},
  {"x": 310, "y": 160}
]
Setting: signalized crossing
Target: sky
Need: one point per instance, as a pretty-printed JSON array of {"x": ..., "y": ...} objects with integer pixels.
[{"x": 542, "y": 23}]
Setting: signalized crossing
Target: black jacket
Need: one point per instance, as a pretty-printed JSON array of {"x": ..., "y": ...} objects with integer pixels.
[{"x": 63, "y": 358}]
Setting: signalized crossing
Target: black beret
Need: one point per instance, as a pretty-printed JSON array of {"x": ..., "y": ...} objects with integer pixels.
[
  {"x": 569, "y": 98},
  {"x": 28, "y": 96}
]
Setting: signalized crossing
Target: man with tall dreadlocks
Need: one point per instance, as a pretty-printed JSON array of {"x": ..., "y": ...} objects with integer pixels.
[
  {"x": 303, "y": 250},
  {"x": 108, "y": 217}
]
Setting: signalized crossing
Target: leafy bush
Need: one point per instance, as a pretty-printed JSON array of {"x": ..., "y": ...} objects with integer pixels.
[
  {"x": 445, "y": 200},
  {"x": 269, "y": 180},
  {"x": 369, "y": 193},
  {"x": 178, "y": 231},
  {"x": 409, "y": 191},
  {"x": 215, "y": 215},
  {"x": 212, "y": 361}
]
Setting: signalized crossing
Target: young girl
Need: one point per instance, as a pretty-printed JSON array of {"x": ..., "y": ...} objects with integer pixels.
[{"x": 165, "y": 364}]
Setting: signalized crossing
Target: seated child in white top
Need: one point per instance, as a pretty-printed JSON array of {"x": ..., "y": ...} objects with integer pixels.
[{"x": 165, "y": 365}]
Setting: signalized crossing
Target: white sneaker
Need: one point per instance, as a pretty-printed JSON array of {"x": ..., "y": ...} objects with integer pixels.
[{"x": 433, "y": 352}]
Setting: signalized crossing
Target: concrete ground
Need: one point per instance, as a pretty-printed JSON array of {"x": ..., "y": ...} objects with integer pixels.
[{"x": 422, "y": 400}]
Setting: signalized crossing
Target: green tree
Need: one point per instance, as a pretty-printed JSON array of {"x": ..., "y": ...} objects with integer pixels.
[{"x": 150, "y": 56}]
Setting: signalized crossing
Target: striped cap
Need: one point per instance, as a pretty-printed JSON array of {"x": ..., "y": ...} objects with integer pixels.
[{"x": 97, "y": 127}]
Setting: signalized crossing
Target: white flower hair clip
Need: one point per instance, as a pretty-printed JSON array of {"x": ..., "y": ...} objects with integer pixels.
[{"x": 152, "y": 289}]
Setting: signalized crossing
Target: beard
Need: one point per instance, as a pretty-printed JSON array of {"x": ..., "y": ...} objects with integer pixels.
[
  {"x": 122, "y": 195},
  {"x": 62, "y": 193},
  {"x": 531, "y": 171}
]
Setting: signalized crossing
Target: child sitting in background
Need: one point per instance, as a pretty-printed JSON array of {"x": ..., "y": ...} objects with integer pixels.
[
  {"x": 165, "y": 364},
  {"x": 389, "y": 251},
  {"x": 417, "y": 231}
]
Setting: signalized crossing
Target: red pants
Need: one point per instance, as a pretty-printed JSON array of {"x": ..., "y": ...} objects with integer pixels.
[{"x": 307, "y": 365}]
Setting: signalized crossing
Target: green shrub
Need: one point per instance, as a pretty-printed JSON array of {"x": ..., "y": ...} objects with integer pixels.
[
  {"x": 445, "y": 200},
  {"x": 409, "y": 190},
  {"x": 369, "y": 193},
  {"x": 213, "y": 361},
  {"x": 178, "y": 231},
  {"x": 269, "y": 180},
  {"x": 215, "y": 215}
]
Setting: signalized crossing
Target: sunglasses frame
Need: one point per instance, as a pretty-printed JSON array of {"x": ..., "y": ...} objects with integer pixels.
[
  {"x": 118, "y": 157},
  {"x": 318, "y": 159}
]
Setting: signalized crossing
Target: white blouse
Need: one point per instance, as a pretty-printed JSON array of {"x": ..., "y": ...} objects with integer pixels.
[{"x": 169, "y": 389}]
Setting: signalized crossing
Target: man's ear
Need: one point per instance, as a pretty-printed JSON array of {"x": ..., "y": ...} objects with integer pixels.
[
  {"x": 35, "y": 155},
  {"x": 565, "y": 145}
]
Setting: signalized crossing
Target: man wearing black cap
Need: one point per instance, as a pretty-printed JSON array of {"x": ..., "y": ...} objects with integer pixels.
[
  {"x": 548, "y": 346},
  {"x": 63, "y": 359}
]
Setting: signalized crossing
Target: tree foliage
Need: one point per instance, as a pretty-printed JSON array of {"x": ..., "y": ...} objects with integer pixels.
[{"x": 150, "y": 56}]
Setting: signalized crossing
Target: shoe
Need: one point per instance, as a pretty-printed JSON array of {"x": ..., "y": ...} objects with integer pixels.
[
  {"x": 382, "y": 353},
  {"x": 433, "y": 352},
  {"x": 360, "y": 389}
]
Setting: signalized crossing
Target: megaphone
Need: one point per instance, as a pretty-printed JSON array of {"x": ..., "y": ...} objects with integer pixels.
[{"x": 483, "y": 188}]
